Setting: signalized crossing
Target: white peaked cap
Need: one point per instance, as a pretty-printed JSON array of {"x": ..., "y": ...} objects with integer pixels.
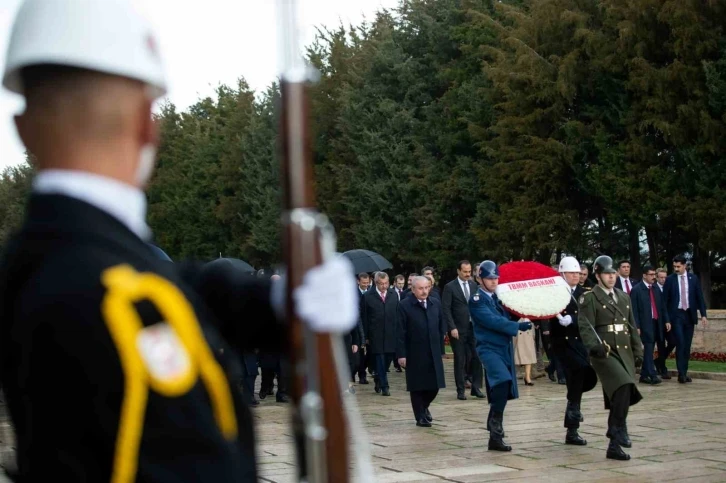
[{"x": 108, "y": 36}]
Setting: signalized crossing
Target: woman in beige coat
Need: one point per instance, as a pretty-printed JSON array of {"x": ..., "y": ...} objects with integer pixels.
[{"x": 525, "y": 353}]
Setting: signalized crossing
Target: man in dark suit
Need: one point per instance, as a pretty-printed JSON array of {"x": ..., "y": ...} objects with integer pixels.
[
  {"x": 399, "y": 283},
  {"x": 623, "y": 280},
  {"x": 407, "y": 291},
  {"x": 455, "y": 302},
  {"x": 428, "y": 272},
  {"x": 683, "y": 298},
  {"x": 420, "y": 348},
  {"x": 651, "y": 318},
  {"x": 140, "y": 349},
  {"x": 364, "y": 356},
  {"x": 585, "y": 281},
  {"x": 379, "y": 316}
]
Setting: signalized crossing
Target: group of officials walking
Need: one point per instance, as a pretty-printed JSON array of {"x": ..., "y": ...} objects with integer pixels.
[{"x": 604, "y": 332}]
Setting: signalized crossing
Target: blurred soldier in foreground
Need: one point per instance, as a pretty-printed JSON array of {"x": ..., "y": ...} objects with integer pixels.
[{"x": 136, "y": 347}]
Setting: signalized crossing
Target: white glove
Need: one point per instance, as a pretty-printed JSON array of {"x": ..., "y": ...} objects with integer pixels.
[
  {"x": 564, "y": 321},
  {"x": 327, "y": 300}
]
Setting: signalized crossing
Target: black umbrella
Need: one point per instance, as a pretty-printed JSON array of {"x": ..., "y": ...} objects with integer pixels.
[
  {"x": 161, "y": 254},
  {"x": 238, "y": 264},
  {"x": 367, "y": 261}
]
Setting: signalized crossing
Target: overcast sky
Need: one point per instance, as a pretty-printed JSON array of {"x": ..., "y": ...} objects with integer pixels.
[{"x": 204, "y": 44}]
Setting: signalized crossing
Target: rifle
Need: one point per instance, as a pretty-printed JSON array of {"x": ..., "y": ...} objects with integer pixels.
[{"x": 318, "y": 417}]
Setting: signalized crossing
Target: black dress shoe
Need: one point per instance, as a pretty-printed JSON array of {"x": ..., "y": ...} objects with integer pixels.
[
  {"x": 615, "y": 452},
  {"x": 688, "y": 379},
  {"x": 263, "y": 393},
  {"x": 476, "y": 392},
  {"x": 551, "y": 375},
  {"x": 282, "y": 398},
  {"x": 363, "y": 381},
  {"x": 645, "y": 380},
  {"x": 562, "y": 381},
  {"x": 681, "y": 379},
  {"x": 574, "y": 438},
  {"x": 460, "y": 396},
  {"x": 655, "y": 380},
  {"x": 665, "y": 375},
  {"x": 386, "y": 392},
  {"x": 423, "y": 423},
  {"x": 427, "y": 415}
]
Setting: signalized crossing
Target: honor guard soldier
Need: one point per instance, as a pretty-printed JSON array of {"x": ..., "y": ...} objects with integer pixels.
[
  {"x": 114, "y": 363},
  {"x": 571, "y": 353},
  {"x": 494, "y": 329},
  {"x": 607, "y": 327}
]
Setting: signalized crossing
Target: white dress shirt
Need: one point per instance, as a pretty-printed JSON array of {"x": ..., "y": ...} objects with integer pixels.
[{"x": 124, "y": 202}]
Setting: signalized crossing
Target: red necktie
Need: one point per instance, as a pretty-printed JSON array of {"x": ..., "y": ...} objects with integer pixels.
[
  {"x": 627, "y": 286},
  {"x": 383, "y": 297},
  {"x": 652, "y": 303}
]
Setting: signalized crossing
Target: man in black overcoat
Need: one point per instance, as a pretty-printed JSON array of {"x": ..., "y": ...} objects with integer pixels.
[
  {"x": 117, "y": 365},
  {"x": 379, "y": 317},
  {"x": 651, "y": 318},
  {"x": 420, "y": 348}
]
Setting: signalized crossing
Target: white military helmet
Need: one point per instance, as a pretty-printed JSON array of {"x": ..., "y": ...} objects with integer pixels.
[
  {"x": 569, "y": 264},
  {"x": 108, "y": 36}
]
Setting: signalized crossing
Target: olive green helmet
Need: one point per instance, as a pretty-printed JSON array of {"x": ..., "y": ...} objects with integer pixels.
[{"x": 603, "y": 264}]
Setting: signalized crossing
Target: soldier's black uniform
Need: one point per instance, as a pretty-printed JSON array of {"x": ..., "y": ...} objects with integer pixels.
[
  {"x": 572, "y": 355},
  {"x": 77, "y": 289}
]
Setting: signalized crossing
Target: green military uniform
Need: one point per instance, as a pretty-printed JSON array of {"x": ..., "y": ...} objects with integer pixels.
[{"x": 614, "y": 323}]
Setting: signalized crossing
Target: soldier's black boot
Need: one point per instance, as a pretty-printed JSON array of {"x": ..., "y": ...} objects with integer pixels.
[
  {"x": 579, "y": 413},
  {"x": 615, "y": 452},
  {"x": 489, "y": 419},
  {"x": 625, "y": 438},
  {"x": 496, "y": 433},
  {"x": 621, "y": 436},
  {"x": 574, "y": 438},
  {"x": 572, "y": 414}
]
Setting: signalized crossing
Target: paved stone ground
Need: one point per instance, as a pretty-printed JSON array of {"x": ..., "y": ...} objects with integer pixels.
[{"x": 678, "y": 433}]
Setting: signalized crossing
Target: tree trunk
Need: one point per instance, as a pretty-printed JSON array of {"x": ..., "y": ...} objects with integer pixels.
[
  {"x": 636, "y": 271},
  {"x": 702, "y": 267},
  {"x": 651, "y": 234}
]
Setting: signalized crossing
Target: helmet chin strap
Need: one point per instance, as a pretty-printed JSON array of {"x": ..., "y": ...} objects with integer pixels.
[{"x": 147, "y": 157}]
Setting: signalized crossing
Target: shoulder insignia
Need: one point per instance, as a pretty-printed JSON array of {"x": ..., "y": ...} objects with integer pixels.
[{"x": 163, "y": 353}]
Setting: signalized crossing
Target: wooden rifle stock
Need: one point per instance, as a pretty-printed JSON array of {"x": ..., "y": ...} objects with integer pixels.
[{"x": 319, "y": 423}]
